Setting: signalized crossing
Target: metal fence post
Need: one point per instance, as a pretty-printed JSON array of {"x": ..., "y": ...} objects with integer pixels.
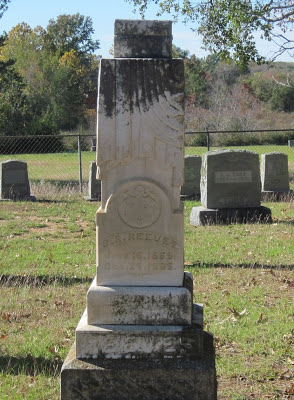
[
  {"x": 207, "y": 140},
  {"x": 80, "y": 164}
]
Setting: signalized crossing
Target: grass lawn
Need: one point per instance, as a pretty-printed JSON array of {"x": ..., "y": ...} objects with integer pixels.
[{"x": 243, "y": 274}]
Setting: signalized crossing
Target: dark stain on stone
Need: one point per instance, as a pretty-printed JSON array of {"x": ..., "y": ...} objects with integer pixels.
[{"x": 107, "y": 86}]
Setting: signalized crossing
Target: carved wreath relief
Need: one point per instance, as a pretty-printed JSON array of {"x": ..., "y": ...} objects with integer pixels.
[{"x": 139, "y": 206}]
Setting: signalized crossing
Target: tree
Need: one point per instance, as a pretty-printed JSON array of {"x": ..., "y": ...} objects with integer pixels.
[
  {"x": 3, "y": 6},
  {"x": 57, "y": 83},
  {"x": 72, "y": 32},
  {"x": 13, "y": 102},
  {"x": 228, "y": 26},
  {"x": 177, "y": 52},
  {"x": 197, "y": 82}
]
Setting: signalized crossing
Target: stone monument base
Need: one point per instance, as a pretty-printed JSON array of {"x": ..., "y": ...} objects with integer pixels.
[
  {"x": 140, "y": 379},
  {"x": 21, "y": 198},
  {"x": 272, "y": 195},
  {"x": 139, "y": 341},
  {"x": 89, "y": 198},
  {"x": 206, "y": 216},
  {"x": 195, "y": 196}
]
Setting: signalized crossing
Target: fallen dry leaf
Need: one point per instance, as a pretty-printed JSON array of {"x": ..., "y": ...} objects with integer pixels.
[
  {"x": 260, "y": 318},
  {"x": 6, "y": 316},
  {"x": 236, "y": 313},
  {"x": 53, "y": 349},
  {"x": 290, "y": 390},
  {"x": 3, "y": 336}
]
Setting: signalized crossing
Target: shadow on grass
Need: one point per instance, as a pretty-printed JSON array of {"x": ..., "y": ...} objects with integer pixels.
[
  {"x": 289, "y": 222},
  {"x": 228, "y": 265},
  {"x": 56, "y": 201},
  {"x": 41, "y": 280},
  {"x": 42, "y": 201},
  {"x": 30, "y": 365}
]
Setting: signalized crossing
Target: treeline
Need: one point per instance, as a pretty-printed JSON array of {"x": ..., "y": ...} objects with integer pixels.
[
  {"x": 220, "y": 96},
  {"x": 48, "y": 84},
  {"x": 48, "y": 76}
]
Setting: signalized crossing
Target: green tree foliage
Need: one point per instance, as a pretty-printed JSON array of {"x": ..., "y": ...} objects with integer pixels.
[
  {"x": 197, "y": 82},
  {"x": 229, "y": 27},
  {"x": 3, "y": 6},
  {"x": 72, "y": 32},
  {"x": 269, "y": 87},
  {"x": 14, "y": 113},
  {"x": 283, "y": 99},
  {"x": 177, "y": 52},
  {"x": 56, "y": 80}
]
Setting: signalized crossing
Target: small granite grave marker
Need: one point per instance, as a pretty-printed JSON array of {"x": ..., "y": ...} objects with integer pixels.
[
  {"x": 141, "y": 337},
  {"x": 275, "y": 175},
  {"x": 14, "y": 181},
  {"x": 94, "y": 184},
  {"x": 192, "y": 168},
  {"x": 230, "y": 188}
]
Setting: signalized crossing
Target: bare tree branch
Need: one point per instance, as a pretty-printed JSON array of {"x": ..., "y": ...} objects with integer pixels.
[{"x": 287, "y": 84}]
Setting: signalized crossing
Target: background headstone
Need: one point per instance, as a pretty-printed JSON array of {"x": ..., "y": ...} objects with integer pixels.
[
  {"x": 192, "y": 169},
  {"x": 274, "y": 172},
  {"x": 291, "y": 143},
  {"x": 230, "y": 178},
  {"x": 14, "y": 181},
  {"x": 230, "y": 189},
  {"x": 275, "y": 182},
  {"x": 94, "y": 184}
]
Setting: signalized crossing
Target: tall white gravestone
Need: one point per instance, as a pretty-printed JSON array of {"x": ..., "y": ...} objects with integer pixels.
[{"x": 140, "y": 305}]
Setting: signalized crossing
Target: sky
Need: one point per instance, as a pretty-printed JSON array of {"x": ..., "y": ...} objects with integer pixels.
[{"x": 103, "y": 14}]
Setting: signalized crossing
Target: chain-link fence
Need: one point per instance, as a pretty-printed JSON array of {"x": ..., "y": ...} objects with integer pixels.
[{"x": 58, "y": 166}]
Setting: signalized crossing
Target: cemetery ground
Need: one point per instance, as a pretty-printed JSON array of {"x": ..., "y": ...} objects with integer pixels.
[{"x": 243, "y": 274}]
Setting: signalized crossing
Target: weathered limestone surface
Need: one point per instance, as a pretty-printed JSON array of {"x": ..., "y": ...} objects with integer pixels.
[
  {"x": 140, "y": 160},
  {"x": 192, "y": 175},
  {"x": 230, "y": 179},
  {"x": 137, "y": 341},
  {"x": 274, "y": 172},
  {"x": 170, "y": 379},
  {"x": 140, "y": 237},
  {"x": 148, "y": 39},
  {"x": 14, "y": 181},
  {"x": 139, "y": 305},
  {"x": 94, "y": 184}
]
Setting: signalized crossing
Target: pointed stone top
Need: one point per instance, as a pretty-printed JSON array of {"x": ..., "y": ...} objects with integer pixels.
[{"x": 142, "y": 39}]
